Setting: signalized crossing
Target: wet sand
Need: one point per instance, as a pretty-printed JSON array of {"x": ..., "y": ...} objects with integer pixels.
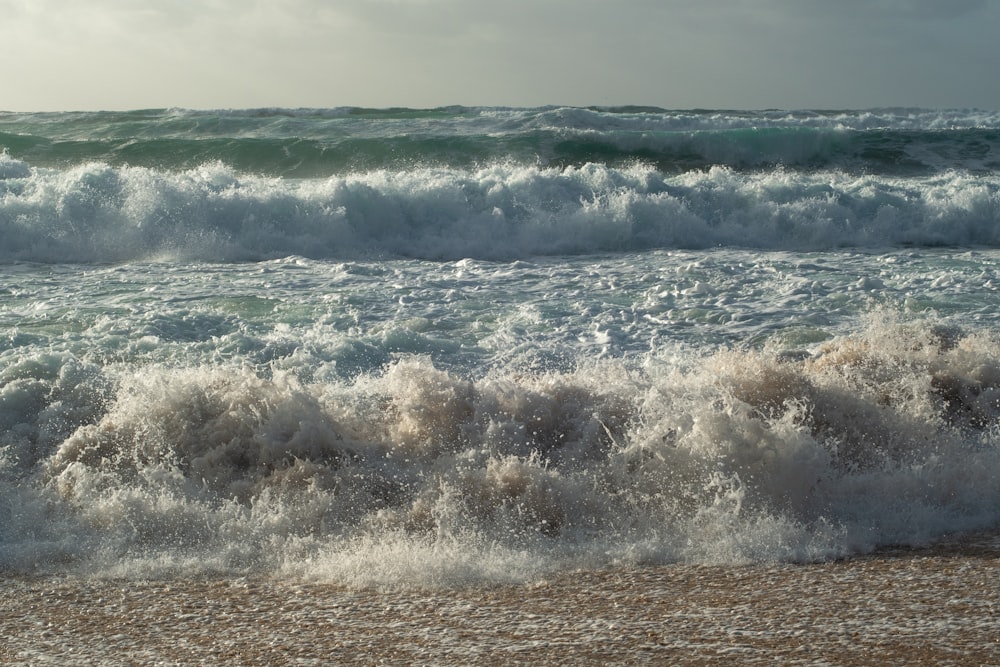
[{"x": 938, "y": 606}]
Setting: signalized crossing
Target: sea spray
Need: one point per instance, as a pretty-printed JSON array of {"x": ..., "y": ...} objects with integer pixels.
[
  {"x": 96, "y": 213},
  {"x": 881, "y": 438}
]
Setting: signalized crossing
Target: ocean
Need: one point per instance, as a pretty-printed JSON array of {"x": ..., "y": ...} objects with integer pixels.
[{"x": 458, "y": 349}]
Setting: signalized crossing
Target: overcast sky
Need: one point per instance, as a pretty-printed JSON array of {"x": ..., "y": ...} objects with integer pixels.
[{"x": 128, "y": 54}]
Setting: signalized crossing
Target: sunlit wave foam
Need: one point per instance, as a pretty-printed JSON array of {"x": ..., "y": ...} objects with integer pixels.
[
  {"x": 417, "y": 476},
  {"x": 100, "y": 213}
]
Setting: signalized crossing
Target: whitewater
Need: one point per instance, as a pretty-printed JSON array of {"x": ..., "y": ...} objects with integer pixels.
[{"x": 468, "y": 346}]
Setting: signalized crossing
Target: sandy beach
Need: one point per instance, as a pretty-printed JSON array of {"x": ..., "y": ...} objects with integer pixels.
[{"x": 928, "y": 607}]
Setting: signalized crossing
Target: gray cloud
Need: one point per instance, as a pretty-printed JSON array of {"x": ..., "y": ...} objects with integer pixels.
[
  {"x": 929, "y": 9},
  {"x": 734, "y": 53}
]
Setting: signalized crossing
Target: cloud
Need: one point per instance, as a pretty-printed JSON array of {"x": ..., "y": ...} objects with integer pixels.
[
  {"x": 745, "y": 53},
  {"x": 929, "y": 9},
  {"x": 864, "y": 10}
]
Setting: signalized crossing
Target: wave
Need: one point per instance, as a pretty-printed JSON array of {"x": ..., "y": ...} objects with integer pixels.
[
  {"x": 98, "y": 213},
  {"x": 322, "y": 143},
  {"x": 418, "y": 476},
  {"x": 316, "y": 122}
]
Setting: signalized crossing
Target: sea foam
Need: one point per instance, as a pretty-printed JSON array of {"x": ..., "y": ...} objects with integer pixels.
[
  {"x": 885, "y": 437},
  {"x": 98, "y": 213}
]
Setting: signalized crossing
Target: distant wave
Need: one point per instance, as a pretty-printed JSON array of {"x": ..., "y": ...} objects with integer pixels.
[
  {"x": 97, "y": 212},
  {"x": 321, "y": 143},
  {"x": 491, "y": 183}
]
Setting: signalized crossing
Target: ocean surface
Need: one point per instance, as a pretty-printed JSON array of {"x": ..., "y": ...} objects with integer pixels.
[{"x": 465, "y": 346}]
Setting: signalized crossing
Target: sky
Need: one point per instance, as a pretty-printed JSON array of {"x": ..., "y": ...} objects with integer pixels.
[{"x": 736, "y": 54}]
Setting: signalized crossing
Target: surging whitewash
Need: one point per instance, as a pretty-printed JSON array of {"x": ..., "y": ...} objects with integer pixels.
[{"x": 470, "y": 345}]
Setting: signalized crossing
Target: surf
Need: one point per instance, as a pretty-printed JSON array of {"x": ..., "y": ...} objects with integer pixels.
[
  {"x": 97, "y": 213},
  {"x": 883, "y": 437}
]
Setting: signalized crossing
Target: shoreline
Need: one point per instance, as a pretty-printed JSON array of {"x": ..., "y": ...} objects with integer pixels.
[{"x": 936, "y": 605}]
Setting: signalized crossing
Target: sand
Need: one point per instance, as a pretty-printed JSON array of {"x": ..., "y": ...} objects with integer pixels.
[{"x": 932, "y": 607}]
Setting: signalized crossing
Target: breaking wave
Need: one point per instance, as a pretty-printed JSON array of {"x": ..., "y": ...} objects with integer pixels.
[
  {"x": 97, "y": 213},
  {"x": 415, "y": 475}
]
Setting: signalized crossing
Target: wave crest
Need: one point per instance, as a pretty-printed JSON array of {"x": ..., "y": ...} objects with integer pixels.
[
  {"x": 98, "y": 213},
  {"x": 881, "y": 438}
]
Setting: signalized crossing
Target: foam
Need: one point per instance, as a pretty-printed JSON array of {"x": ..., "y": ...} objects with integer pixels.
[
  {"x": 488, "y": 183},
  {"x": 99, "y": 213},
  {"x": 418, "y": 476},
  {"x": 11, "y": 168}
]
